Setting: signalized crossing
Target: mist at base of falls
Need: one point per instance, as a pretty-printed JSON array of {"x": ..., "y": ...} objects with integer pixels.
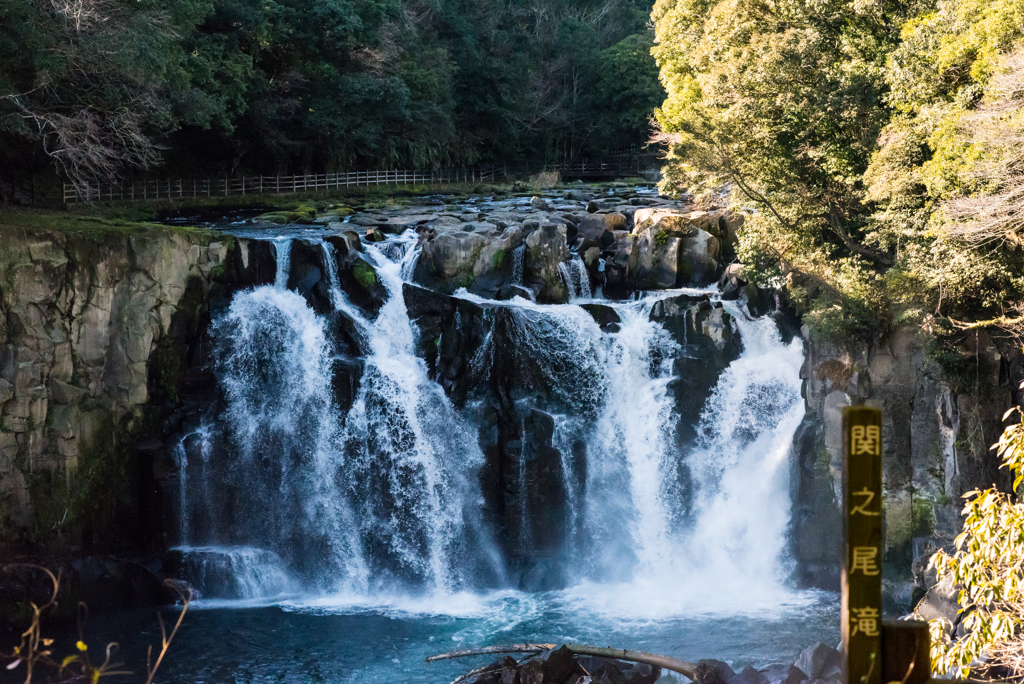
[{"x": 374, "y": 511}]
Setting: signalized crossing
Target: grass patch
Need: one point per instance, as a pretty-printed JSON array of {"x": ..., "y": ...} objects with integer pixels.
[{"x": 96, "y": 222}]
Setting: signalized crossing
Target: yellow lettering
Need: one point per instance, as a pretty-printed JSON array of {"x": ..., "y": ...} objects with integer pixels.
[
  {"x": 865, "y": 560},
  {"x": 862, "y": 509},
  {"x": 864, "y": 621},
  {"x": 865, "y": 439}
]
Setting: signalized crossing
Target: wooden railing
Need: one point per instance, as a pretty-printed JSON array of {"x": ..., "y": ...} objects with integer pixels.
[
  {"x": 225, "y": 186},
  {"x": 259, "y": 185}
]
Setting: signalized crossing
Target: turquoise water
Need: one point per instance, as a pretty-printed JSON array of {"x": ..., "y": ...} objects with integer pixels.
[{"x": 335, "y": 640}]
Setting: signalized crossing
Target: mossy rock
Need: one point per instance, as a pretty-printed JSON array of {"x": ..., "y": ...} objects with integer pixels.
[
  {"x": 364, "y": 275},
  {"x": 278, "y": 217}
]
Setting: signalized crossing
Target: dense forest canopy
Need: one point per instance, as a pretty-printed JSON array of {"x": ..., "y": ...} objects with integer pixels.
[
  {"x": 192, "y": 86},
  {"x": 877, "y": 142}
]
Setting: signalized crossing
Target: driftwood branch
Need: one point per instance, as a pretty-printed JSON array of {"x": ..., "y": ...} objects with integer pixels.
[
  {"x": 513, "y": 648},
  {"x": 664, "y": 662}
]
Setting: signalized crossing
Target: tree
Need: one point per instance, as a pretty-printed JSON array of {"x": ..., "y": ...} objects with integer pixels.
[
  {"x": 988, "y": 563},
  {"x": 82, "y": 79}
]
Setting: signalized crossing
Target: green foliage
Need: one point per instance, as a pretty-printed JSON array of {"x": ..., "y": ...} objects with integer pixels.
[
  {"x": 850, "y": 127},
  {"x": 364, "y": 275},
  {"x": 986, "y": 564},
  {"x": 316, "y": 85}
]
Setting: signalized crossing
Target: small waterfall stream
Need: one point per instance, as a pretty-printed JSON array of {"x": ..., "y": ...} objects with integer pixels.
[{"x": 574, "y": 273}]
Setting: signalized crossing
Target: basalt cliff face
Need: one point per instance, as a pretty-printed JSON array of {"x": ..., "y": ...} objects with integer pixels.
[
  {"x": 938, "y": 426},
  {"x": 100, "y": 339}
]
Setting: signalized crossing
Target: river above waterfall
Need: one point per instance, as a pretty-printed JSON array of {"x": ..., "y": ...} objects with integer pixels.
[{"x": 398, "y": 465}]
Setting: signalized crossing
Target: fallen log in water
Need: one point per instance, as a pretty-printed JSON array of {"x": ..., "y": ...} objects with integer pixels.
[{"x": 665, "y": 662}]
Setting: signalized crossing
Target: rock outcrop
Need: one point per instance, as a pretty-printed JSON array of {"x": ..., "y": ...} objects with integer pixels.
[
  {"x": 95, "y": 353},
  {"x": 938, "y": 426}
]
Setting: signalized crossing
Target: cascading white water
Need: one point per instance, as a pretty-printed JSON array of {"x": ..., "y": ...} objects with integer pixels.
[
  {"x": 282, "y": 250},
  {"x": 386, "y": 494},
  {"x": 339, "y": 300},
  {"x": 636, "y": 529},
  {"x": 517, "y": 264},
  {"x": 235, "y": 572},
  {"x": 732, "y": 555},
  {"x": 383, "y": 493},
  {"x": 276, "y": 370},
  {"x": 574, "y": 274},
  {"x": 402, "y": 418},
  {"x": 741, "y": 467},
  {"x": 631, "y": 450}
]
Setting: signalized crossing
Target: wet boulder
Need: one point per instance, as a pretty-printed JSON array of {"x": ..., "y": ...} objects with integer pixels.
[
  {"x": 600, "y": 228},
  {"x": 658, "y": 261},
  {"x": 711, "y": 671},
  {"x": 546, "y": 248},
  {"x": 540, "y": 204},
  {"x": 345, "y": 243},
  {"x": 783, "y": 674},
  {"x": 748, "y": 675},
  {"x": 605, "y": 316},
  {"x": 621, "y": 264},
  {"x": 551, "y": 667},
  {"x": 359, "y": 280},
  {"x": 698, "y": 259},
  {"x": 820, "y": 661},
  {"x": 480, "y": 261},
  {"x": 708, "y": 342},
  {"x": 695, "y": 258},
  {"x": 307, "y": 275},
  {"x": 732, "y": 282}
]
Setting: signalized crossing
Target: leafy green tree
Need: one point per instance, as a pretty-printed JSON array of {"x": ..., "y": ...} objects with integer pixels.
[{"x": 988, "y": 563}]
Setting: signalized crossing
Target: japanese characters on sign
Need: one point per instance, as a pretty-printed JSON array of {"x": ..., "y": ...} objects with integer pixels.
[{"x": 862, "y": 570}]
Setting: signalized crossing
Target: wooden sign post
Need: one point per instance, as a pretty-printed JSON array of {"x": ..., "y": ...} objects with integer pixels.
[{"x": 862, "y": 567}]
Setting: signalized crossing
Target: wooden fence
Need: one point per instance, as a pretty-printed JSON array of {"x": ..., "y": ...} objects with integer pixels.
[{"x": 259, "y": 185}]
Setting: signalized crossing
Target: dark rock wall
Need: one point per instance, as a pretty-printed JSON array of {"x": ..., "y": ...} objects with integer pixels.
[
  {"x": 938, "y": 427},
  {"x": 102, "y": 351}
]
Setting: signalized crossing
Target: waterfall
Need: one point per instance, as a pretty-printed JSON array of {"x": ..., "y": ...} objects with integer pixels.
[
  {"x": 338, "y": 298},
  {"x": 386, "y": 496},
  {"x": 517, "y": 264},
  {"x": 731, "y": 549},
  {"x": 631, "y": 449},
  {"x": 419, "y": 500},
  {"x": 611, "y": 390},
  {"x": 382, "y": 498},
  {"x": 282, "y": 250},
  {"x": 574, "y": 273},
  {"x": 186, "y": 515},
  {"x": 288, "y": 480},
  {"x": 235, "y": 572},
  {"x": 741, "y": 466}
]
